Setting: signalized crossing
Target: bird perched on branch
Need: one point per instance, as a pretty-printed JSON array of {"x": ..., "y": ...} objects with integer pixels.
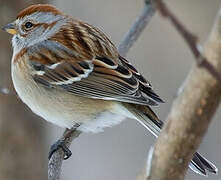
[{"x": 69, "y": 73}]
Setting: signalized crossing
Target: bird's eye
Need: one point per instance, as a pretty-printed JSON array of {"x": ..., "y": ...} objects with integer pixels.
[{"x": 28, "y": 25}]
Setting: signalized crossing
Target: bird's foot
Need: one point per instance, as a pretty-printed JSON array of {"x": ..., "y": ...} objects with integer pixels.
[
  {"x": 61, "y": 143},
  {"x": 56, "y": 146}
]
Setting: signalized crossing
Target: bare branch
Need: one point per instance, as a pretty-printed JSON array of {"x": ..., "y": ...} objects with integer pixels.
[
  {"x": 193, "y": 109},
  {"x": 137, "y": 28},
  {"x": 190, "y": 38},
  {"x": 55, "y": 163}
]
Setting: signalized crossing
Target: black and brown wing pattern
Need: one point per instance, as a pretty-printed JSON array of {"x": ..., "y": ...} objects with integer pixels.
[
  {"x": 80, "y": 59},
  {"x": 144, "y": 85},
  {"x": 98, "y": 79}
]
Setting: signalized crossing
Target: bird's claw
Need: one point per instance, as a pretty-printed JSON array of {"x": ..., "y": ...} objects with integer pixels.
[{"x": 56, "y": 146}]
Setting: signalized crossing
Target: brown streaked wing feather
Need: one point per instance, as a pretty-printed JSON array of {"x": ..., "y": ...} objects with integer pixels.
[
  {"x": 134, "y": 71},
  {"x": 62, "y": 72},
  {"x": 116, "y": 83},
  {"x": 85, "y": 40},
  {"x": 102, "y": 75},
  {"x": 99, "y": 88},
  {"x": 144, "y": 85}
]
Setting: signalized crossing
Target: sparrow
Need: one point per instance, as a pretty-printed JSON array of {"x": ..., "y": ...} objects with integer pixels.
[{"x": 69, "y": 73}]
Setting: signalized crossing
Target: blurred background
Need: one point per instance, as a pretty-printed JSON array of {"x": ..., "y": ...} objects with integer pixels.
[{"x": 119, "y": 152}]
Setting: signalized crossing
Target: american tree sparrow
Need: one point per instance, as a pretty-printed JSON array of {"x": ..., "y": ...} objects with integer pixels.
[{"x": 69, "y": 73}]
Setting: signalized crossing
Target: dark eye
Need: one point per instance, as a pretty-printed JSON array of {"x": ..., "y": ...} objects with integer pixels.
[{"x": 28, "y": 25}]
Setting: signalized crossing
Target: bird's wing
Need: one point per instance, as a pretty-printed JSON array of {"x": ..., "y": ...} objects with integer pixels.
[
  {"x": 83, "y": 61},
  {"x": 98, "y": 79}
]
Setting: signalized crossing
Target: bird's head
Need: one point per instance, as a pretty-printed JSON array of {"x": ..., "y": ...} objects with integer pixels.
[{"x": 35, "y": 24}]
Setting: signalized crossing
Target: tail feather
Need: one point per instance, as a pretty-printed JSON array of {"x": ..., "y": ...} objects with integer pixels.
[
  {"x": 203, "y": 165},
  {"x": 149, "y": 120}
]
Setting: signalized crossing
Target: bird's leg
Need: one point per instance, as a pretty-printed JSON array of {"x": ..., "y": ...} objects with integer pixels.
[{"x": 62, "y": 143}]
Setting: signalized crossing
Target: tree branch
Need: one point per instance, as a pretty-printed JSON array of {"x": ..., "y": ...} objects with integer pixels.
[
  {"x": 55, "y": 163},
  {"x": 190, "y": 38},
  {"x": 137, "y": 28},
  {"x": 193, "y": 109}
]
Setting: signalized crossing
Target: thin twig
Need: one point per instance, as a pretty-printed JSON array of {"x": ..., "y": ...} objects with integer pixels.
[
  {"x": 137, "y": 28},
  {"x": 55, "y": 163},
  {"x": 190, "y": 38}
]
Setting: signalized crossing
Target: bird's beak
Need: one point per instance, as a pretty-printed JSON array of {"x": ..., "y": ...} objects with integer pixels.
[{"x": 10, "y": 28}]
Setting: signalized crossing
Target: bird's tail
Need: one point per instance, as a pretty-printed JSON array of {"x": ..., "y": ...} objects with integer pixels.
[{"x": 150, "y": 121}]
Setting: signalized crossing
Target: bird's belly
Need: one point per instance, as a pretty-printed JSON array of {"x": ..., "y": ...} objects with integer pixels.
[{"x": 65, "y": 109}]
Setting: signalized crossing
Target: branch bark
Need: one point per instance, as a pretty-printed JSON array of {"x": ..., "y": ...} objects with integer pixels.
[
  {"x": 55, "y": 163},
  {"x": 190, "y": 115}
]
